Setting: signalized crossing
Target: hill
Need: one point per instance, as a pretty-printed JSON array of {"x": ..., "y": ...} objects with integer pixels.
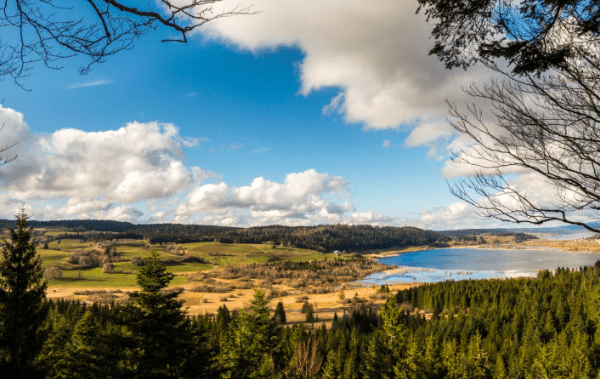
[{"x": 352, "y": 238}]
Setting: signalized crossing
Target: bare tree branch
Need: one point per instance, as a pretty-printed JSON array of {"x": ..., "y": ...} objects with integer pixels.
[
  {"x": 49, "y": 30},
  {"x": 4, "y": 156},
  {"x": 547, "y": 124}
]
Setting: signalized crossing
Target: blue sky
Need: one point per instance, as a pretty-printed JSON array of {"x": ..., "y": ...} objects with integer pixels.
[{"x": 258, "y": 120}]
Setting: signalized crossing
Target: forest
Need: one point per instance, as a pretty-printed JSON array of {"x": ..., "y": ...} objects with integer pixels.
[
  {"x": 325, "y": 238},
  {"x": 544, "y": 327},
  {"x": 515, "y": 328}
]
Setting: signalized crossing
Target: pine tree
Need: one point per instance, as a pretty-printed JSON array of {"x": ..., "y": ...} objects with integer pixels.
[
  {"x": 54, "y": 357},
  {"x": 97, "y": 349},
  {"x": 248, "y": 352},
  {"x": 23, "y": 307},
  {"x": 279, "y": 315},
  {"x": 158, "y": 325}
]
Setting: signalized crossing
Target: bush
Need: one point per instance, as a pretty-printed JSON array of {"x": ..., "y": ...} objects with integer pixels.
[
  {"x": 310, "y": 316},
  {"x": 53, "y": 273},
  {"x": 86, "y": 258},
  {"x": 137, "y": 261},
  {"x": 194, "y": 259},
  {"x": 307, "y": 307},
  {"x": 107, "y": 268}
]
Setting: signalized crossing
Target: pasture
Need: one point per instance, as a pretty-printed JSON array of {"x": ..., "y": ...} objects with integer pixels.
[{"x": 181, "y": 259}]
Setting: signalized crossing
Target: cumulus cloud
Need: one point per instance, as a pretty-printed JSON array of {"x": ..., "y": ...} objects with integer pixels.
[
  {"x": 457, "y": 215},
  {"x": 373, "y": 218},
  {"x": 137, "y": 161},
  {"x": 376, "y": 53},
  {"x": 96, "y": 171},
  {"x": 136, "y": 173},
  {"x": 302, "y": 198}
]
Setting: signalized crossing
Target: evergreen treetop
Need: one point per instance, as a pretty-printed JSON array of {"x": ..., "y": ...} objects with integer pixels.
[{"x": 23, "y": 308}]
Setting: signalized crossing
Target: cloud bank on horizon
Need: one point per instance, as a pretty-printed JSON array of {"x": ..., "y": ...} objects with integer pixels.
[{"x": 137, "y": 173}]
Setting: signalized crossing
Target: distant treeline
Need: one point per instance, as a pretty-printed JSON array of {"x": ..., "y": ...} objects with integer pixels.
[
  {"x": 352, "y": 238},
  {"x": 336, "y": 237},
  {"x": 465, "y": 234}
]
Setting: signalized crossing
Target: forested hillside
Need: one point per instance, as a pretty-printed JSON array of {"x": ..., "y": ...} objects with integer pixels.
[
  {"x": 337, "y": 237},
  {"x": 352, "y": 238}
]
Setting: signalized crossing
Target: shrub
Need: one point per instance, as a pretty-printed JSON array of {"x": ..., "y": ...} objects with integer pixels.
[
  {"x": 137, "y": 261},
  {"x": 53, "y": 273},
  {"x": 384, "y": 289},
  {"x": 86, "y": 258},
  {"x": 107, "y": 268},
  {"x": 306, "y": 307},
  {"x": 310, "y": 317},
  {"x": 194, "y": 259}
]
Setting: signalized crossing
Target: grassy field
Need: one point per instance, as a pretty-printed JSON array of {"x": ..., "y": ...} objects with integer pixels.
[
  {"x": 203, "y": 286},
  {"x": 215, "y": 255},
  {"x": 211, "y": 274}
]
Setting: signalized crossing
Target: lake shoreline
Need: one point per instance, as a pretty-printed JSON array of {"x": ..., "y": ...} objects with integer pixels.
[{"x": 434, "y": 264}]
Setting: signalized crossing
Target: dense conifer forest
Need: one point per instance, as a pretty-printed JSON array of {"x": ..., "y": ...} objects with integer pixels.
[
  {"x": 543, "y": 327},
  {"x": 352, "y": 238}
]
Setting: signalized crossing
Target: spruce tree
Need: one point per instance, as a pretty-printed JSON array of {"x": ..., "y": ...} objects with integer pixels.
[
  {"x": 279, "y": 315},
  {"x": 23, "y": 307},
  {"x": 250, "y": 348},
  {"x": 158, "y": 325}
]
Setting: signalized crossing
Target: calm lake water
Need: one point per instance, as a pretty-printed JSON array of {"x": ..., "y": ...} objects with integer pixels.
[{"x": 443, "y": 264}]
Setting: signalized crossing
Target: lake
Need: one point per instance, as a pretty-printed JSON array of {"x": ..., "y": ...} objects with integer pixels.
[{"x": 465, "y": 263}]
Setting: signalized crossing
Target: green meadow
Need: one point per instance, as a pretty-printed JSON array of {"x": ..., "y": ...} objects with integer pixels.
[{"x": 214, "y": 254}]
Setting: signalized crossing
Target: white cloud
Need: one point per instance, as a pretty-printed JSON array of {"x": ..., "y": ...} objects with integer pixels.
[
  {"x": 457, "y": 215},
  {"x": 428, "y": 132},
  {"x": 136, "y": 173},
  {"x": 137, "y": 161},
  {"x": 301, "y": 199},
  {"x": 387, "y": 143},
  {"x": 90, "y": 84},
  {"x": 97, "y": 171},
  {"x": 373, "y": 218},
  {"x": 375, "y": 52}
]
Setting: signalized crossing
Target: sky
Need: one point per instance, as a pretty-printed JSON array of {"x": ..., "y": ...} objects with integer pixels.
[{"x": 306, "y": 112}]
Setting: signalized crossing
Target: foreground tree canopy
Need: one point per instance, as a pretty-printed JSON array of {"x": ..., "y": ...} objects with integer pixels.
[
  {"x": 468, "y": 31},
  {"x": 546, "y": 127},
  {"x": 539, "y": 117},
  {"x": 23, "y": 308},
  {"x": 47, "y": 31}
]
